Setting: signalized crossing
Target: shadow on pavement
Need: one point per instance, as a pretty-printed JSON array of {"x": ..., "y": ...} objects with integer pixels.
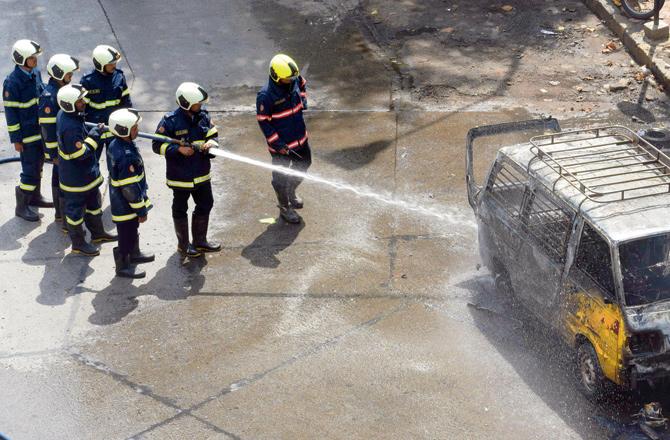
[
  {"x": 175, "y": 281},
  {"x": 262, "y": 252},
  {"x": 545, "y": 363},
  {"x": 12, "y": 230}
]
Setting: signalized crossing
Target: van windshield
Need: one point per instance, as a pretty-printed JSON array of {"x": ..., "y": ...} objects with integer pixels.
[{"x": 645, "y": 265}]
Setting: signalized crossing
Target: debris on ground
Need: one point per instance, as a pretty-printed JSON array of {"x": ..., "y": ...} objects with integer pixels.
[
  {"x": 610, "y": 46},
  {"x": 554, "y": 83},
  {"x": 622, "y": 84},
  {"x": 507, "y": 8}
]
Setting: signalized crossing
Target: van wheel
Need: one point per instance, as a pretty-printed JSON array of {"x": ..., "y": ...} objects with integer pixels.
[{"x": 592, "y": 382}]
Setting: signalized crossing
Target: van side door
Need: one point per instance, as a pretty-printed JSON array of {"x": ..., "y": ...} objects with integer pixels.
[
  {"x": 499, "y": 214},
  {"x": 547, "y": 226},
  {"x": 589, "y": 303}
]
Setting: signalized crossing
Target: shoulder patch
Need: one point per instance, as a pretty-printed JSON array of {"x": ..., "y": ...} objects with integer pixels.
[
  {"x": 131, "y": 168},
  {"x": 6, "y": 94},
  {"x": 47, "y": 110},
  {"x": 161, "y": 129},
  {"x": 262, "y": 108},
  {"x": 79, "y": 145}
]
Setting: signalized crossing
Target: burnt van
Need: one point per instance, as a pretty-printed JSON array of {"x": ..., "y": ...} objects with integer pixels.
[{"x": 576, "y": 226}]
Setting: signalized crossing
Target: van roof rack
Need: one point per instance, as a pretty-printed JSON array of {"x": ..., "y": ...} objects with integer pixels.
[{"x": 605, "y": 164}]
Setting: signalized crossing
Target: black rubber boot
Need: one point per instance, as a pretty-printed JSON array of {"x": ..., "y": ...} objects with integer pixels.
[
  {"x": 124, "y": 268},
  {"x": 38, "y": 200},
  {"x": 138, "y": 257},
  {"x": 23, "y": 210},
  {"x": 285, "y": 211},
  {"x": 79, "y": 243},
  {"x": 58, "y": 203},
  {"x": 184, "y": 246},
  {"x": 199, "y": 226},
  {"x": 98, "y": 233},
  {"x": 294, "y": 200},
  {"x": 289, "y": 215}
]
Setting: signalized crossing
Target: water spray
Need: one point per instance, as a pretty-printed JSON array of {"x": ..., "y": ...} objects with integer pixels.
[{"x": 452, "y": 217}]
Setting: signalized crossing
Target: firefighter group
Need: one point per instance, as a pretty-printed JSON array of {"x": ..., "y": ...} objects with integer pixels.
[{"x": 70, "y": 125}]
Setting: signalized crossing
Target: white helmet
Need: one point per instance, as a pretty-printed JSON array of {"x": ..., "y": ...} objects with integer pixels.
[
  {"x": 103, "y": 55},
  {"x": 61, "y": 64},
  {"x": 189, "y": 93},
  {"x": 69, "y": 95},
  {"x": 122, "y": 121},
  {"x": 24, "y": 49}
]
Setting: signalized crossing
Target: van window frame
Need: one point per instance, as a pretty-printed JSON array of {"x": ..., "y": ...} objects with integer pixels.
[
  {"x": 544, "y": 245},
  {"x": 612, "y": 296},
  {"x": 505, "y": 163}
]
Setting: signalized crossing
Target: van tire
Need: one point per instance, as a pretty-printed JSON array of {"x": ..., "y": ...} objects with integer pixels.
[{"x": 592, "y": 381}]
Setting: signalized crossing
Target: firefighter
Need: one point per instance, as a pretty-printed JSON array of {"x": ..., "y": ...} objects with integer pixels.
[
  {"x": 279, "y": 108},
  {"x": 127, "y": 192},
  {"x": 79, "y": 173},
  {"x": 60, "y": 69},
  {"x": 188, "y": 166},
  {"x": 106, "y": 86},
  {"x": 21, "y": 91}
]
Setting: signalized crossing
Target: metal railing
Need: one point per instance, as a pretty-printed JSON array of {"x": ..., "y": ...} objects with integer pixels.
[{"x": 605, "y": 164}]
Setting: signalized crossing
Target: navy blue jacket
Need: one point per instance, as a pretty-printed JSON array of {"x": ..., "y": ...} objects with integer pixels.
[
  {"x": 279, "y": 113},
  {"x": 127, "y": 184},
  {"x": 78, "y": 161},
  {"x": 182, "y": 171},
  {"x": 20, "y": 94},
  {"x": 106, "y": 93},
  {"x": 48, "y": 110}
]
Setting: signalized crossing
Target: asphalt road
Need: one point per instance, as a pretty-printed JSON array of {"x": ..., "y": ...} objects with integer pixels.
[{"x": 358, "y": 323}]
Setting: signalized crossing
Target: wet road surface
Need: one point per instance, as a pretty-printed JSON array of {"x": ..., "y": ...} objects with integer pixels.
[{"x": 357, "y": 323}]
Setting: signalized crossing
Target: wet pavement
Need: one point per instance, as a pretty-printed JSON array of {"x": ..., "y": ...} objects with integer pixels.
[{"x": 358, "y": 323}]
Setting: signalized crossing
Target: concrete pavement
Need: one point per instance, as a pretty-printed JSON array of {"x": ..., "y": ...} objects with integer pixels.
[{"x": 355, "y": 324}]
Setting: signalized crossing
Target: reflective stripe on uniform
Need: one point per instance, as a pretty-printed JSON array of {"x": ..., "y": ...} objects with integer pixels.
[
  {"x": 298, "y": 143},
  {"x": 94, "y": 211},
  {"x": 13, "y": 128},
  {"x": 137, "y": 205},
  {"x": 123, "y": 218},
  {"x": 182, "y": 184},
  {"x": 90, "y": 141},
  {"x": 127, "y": 181},
  {"x": 164, "y": 148},
  {"x": 47, "y": 120},
  {"x": 105, "y": 104},
  {"x": 30, "y": 139},
  {"x": 287, "y": 113},
  {"x": 17, "y": 104},
  {"x": 51, "y": 145},
  {"x": 74, "y": 222},
  {"x": 125, "y": 92},
  {"x": 85, "y": 188},
  {"x": 273, "y": 138},
  {"x": 106, "y": 135},
  {"x": 212, "y": 131},
  {"x": 27, "y": 187},
  {"x": 80, "y": 152}
]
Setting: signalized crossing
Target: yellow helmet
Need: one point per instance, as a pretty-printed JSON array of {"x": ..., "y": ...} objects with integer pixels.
[{"x": 283, "y": 67}]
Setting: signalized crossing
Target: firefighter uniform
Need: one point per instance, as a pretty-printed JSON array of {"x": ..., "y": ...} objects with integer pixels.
[
  {"x": 279, "y": 111},
  {"x": 80, "y": 177},
  {"x": 48, "y": 111},
  {"x": 106, "y": 93},
  {"x": 129, "y": 200},
  {"x": 21, "y": 92},
  {"x": 188, "y": 176}
]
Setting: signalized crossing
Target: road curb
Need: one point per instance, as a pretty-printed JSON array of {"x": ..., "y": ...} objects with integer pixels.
[{"x": 631, "y": 34}]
